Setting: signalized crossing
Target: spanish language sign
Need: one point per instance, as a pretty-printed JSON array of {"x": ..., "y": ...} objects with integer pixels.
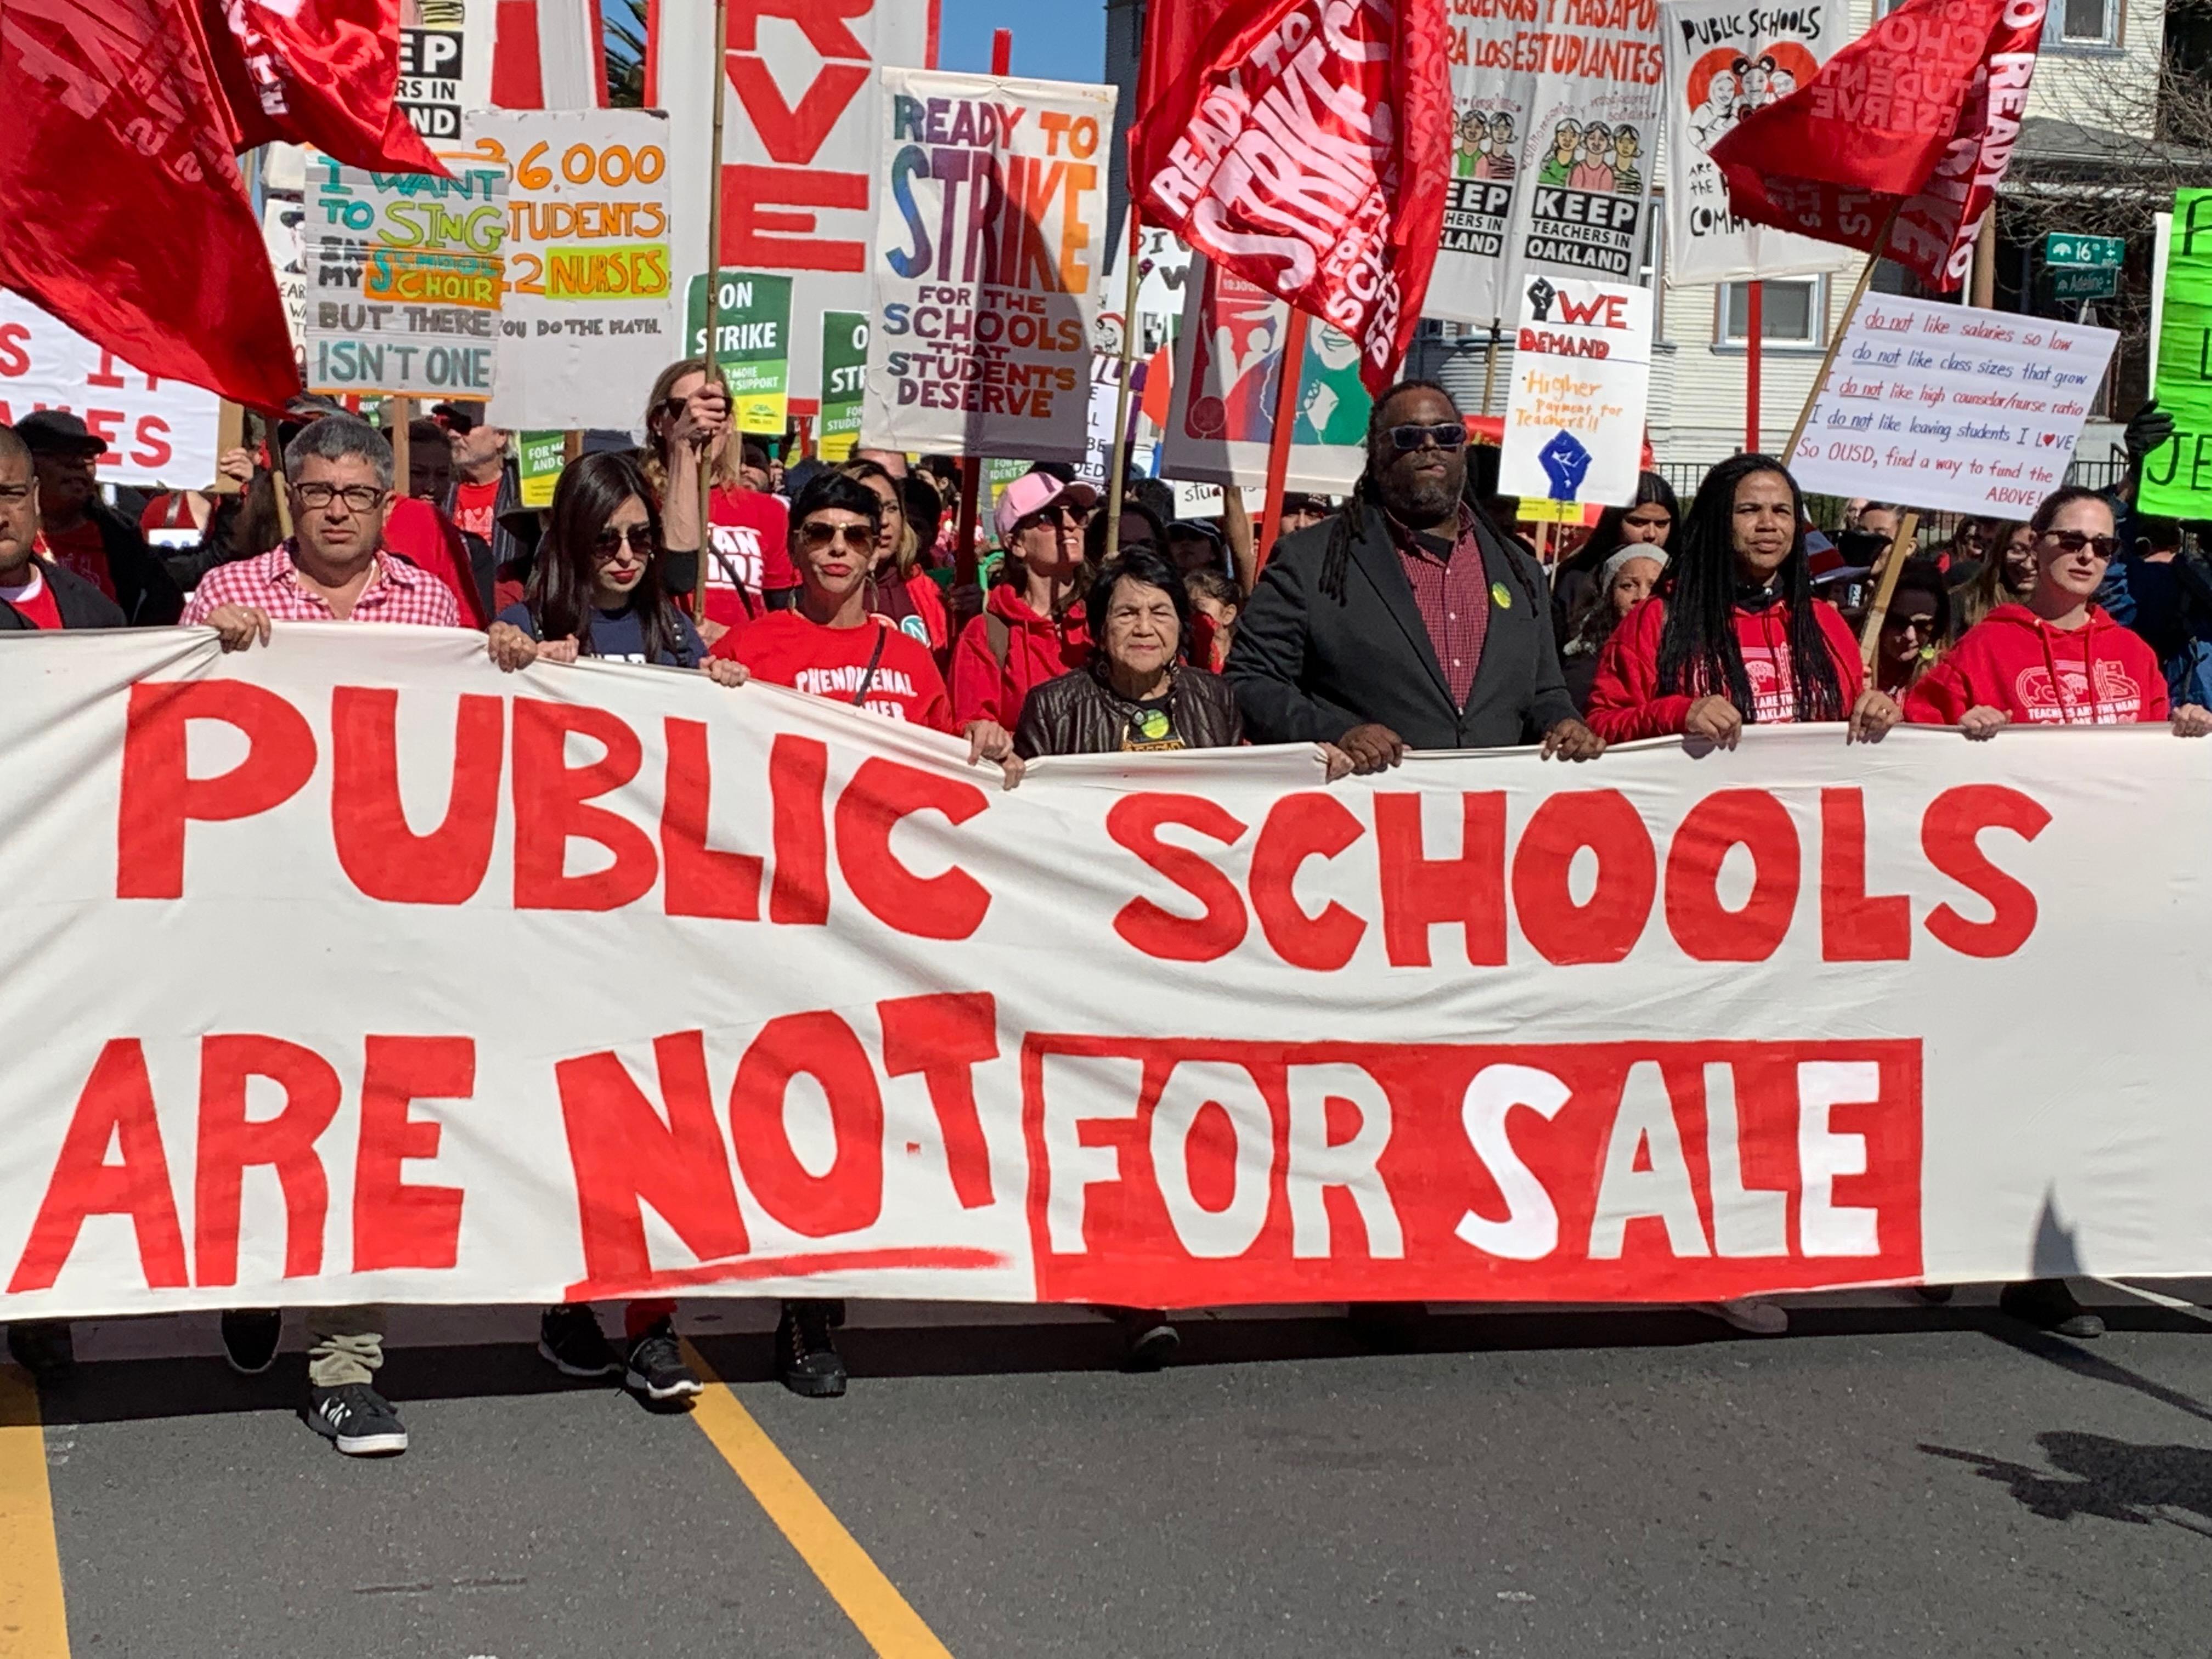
[
  {"x": 752, "y": 344},
  {"x": 589, "y": 313},
  {"x": 1725, "y": 59},
  {"x": 1574, "y": 411},
  {"x": 844, "y": 379},
  {"x": 986, "y": 243},
  {"x": 156, "y": 431},
  {"x": 1221, "y": 415},
  {"x": 2177, "y": 476},
  {"x": 1558, "y": 109},
  {"x": 1658, "y": 1028},
  {"x": 405, "y": 279},
  {"x": 1954, "y": 410}
]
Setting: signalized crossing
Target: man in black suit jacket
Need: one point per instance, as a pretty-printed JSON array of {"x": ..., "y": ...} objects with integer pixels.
[
  {"x": 36, "y": 593},
  {"x": 1406, "y": 620}
]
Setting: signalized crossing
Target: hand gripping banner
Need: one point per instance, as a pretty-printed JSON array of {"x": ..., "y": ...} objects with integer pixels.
[{"x": 349, "y": 970}]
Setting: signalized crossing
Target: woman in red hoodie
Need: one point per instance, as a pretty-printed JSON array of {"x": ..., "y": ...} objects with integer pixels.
[
  {"x": 1734, "y": 633},
  {"x": 2055, "y": 659},
  {"x": 1032, "y": 628}
]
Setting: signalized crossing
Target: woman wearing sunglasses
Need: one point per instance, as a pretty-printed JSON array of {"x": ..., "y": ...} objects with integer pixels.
[
  {"x": 2055, "y": 657},
  {"x": 1032, "y": 627}
]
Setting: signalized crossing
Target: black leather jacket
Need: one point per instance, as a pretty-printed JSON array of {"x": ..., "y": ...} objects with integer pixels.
[{"x": 1079, "y": 714}]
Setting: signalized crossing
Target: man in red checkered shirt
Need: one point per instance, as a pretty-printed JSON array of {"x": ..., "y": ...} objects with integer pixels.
[{"x": 334, "y": 568}]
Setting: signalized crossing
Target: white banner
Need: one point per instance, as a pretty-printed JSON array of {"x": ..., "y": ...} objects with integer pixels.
[
  {"x": 590, "y": 313},
  {"x": 1724, "y": 60},
  {"x": 1221, "y": 408},
  {"x": 987, "y": 239},
  {"x": 1950, "y": 409},
  {"x": 1557, "y": 113},
  {"x": 158, "y": 432},
  {"x": 446, "y": 986},
  {"x": 1574, "y": 408},
  {"x": 802, "y": 145}
]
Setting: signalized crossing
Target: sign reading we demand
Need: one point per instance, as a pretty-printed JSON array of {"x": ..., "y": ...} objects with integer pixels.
[{"x": 1664, "y": 1026}]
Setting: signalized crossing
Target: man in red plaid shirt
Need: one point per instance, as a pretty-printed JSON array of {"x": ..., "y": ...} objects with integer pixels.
[{"x": 334, "y": 568}]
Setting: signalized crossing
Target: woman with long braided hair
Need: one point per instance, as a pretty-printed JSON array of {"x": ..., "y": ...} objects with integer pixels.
[{"x": 1734, "y": 633}]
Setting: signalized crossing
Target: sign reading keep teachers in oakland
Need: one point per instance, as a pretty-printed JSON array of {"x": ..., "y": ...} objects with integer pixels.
[{"x": 987, "y": 243}]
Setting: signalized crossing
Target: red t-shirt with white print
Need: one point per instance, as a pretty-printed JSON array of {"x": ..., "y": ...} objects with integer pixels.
[
  {"x": 750, "y": 532},
  {"x": 785, "y": 649}
]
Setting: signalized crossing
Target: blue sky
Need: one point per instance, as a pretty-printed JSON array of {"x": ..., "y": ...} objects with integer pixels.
[{"x": 1054, "y": 40}]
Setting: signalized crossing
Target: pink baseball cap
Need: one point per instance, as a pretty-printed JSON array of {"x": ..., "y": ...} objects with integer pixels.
[{"x": 1033, "y": 492}]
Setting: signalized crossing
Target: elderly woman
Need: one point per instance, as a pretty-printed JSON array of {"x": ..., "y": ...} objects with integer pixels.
[{"x": 1138, "y": 692}]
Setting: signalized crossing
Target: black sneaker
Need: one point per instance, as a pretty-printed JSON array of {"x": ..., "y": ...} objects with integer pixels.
[
  {"x": 1935, "y": 1295},
  {"x": 807, "y": 1358},
  {"x": 2048, "y": 1306},
  {"x": 249, "y": 1337},
  {"x": 656, "y": 1369},
  {"x": 1149, "y": 1337},
  {"x": 43, "y": 1347},
  {"x": 359, "y": 1419},
  {"x": 571, "y": 1340}
]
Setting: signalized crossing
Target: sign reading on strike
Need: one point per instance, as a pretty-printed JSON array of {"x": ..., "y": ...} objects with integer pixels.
[
  {"x": 157, "y": 431},
  {"x": 1659, "y": 1027},
  {"x": 752, "y": 344}
]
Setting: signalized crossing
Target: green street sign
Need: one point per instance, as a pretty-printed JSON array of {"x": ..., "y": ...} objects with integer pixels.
[
  {"x": 2090, "y": 253},
  {"x": 2079, "y": 284}
]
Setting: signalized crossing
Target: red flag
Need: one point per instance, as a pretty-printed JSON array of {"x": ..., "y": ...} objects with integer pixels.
[
  {"x": 1306, "y": 146},
  {"x": 1174, "y": 31},
  {"x": 1910, "y": 126},
  {"x": 320, "y": 72},
  {"x": 125, "y": 215}
]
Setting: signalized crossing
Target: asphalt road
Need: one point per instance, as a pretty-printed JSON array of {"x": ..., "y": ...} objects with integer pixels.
[{"x": 1890, "y": 1480}]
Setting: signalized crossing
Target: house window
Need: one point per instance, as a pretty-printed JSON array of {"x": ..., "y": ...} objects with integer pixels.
[
  {"x": 1793, "y": 312},
  {"x": 2084, "y": 22}
]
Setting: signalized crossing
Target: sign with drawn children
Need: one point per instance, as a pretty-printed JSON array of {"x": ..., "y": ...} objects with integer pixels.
[
  {"x": 1555, "y": 124},
  {"x": 1724, "y": 60}
]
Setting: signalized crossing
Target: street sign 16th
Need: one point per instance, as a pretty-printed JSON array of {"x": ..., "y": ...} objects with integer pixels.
[{"x": 2083, "y": 252}]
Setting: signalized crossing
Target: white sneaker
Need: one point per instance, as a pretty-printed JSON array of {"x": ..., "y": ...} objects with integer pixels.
[{"x": 1749, "y": 1313}]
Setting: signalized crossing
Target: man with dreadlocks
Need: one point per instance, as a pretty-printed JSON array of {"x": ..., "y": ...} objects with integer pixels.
[
  {"x": 1405, "y": 620},
  {"x": 1734, "y": 633}
]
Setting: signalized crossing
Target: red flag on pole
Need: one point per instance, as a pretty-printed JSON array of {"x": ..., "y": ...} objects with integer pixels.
[
  {"x": 320, "y": 72},
  {"x": 1306, "y": 145},
  {"x": 125, "y": 215},
  {"x": 1911, "y": 126}
]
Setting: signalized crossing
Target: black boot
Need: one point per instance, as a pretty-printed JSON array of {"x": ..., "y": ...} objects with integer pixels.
[
  {"x": 807, "y": 1358},
  {"x": 2048, "y": 1306}
]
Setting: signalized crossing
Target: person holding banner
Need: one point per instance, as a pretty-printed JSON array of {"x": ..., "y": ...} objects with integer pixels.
[
  {"x": 1734, "y": 633},
  {"x": 2059, "y": 658},
  {"x": 1032, "y": 627},
  {"x": 687, "y": 425},
  {"x": 1404, "y": 621}
]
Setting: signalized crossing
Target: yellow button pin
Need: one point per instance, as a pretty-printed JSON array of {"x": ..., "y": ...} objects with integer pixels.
[{"x": 1499, "y": 597}]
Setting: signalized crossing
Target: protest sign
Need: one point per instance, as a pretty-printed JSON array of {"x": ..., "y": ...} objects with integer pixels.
[
  {"x": 985, "y": 259},
  {"x": 2177, "y": 475},
  {"x": 405, "y": 279},
  {"x": 1950, "y": 409},
  {"x": 445, "y": 64},
  {"x": 1582, "y": 372},
  {"x": 1097, "y": 465},
  {"x": 752, "y": 344},
  {"x": 1670, "y": 1028},
  {"x": 1723, "y": 60},
  {"x": 588, "y": 317},
  {"x": 539, "y": 457},
  {"x": 157, "y": 431},
  {"x": 803, "y": 144},
  {"x": 1557, "y": 113},
  {"x": 844, "y": 376},
  {"x": 281, "y": 233},
  {"x": 1222, "y": 414}
]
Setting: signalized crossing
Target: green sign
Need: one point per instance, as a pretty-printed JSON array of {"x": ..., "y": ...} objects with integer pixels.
[
  {"x": 752, "y": 344},
  {"x": 540, "y": 456},
  {"x": 2100, "y": 283},
  {"x": 844, "y": 373},
  {"x": 2064, "y": 248},
  {"x": 2177, "y": 475}
]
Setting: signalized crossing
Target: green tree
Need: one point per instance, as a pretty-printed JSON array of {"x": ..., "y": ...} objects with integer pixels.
[{"x": 625, "y": 46}]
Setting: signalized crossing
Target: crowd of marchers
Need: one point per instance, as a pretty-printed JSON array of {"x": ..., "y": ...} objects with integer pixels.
[{"x": 1411, "y": 616}]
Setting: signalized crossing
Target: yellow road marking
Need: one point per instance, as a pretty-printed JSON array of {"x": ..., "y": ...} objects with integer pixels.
[
  {"x": 884, "y": 1620},
  {"x": 33, "y": 1620}
]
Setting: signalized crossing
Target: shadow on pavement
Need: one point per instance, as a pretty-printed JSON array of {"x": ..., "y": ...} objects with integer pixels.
[
  {"x": 2110, "y": 1480},
  {"x": 2073, "y": 1357}
]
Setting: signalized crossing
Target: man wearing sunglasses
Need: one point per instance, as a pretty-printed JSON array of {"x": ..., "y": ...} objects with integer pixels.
[{"x": 1405, "y": 620}]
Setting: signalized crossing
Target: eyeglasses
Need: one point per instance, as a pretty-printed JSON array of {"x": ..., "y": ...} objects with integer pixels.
[
  {"x": 816, "y": 535},
  {"x": 2071, "y": 542},
  {"x": 357, "y": 498},
  {"x": 1895, "y": 623},
  {"x": 1444, "y": 435},
  {"x": 610, "y": 541}
]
